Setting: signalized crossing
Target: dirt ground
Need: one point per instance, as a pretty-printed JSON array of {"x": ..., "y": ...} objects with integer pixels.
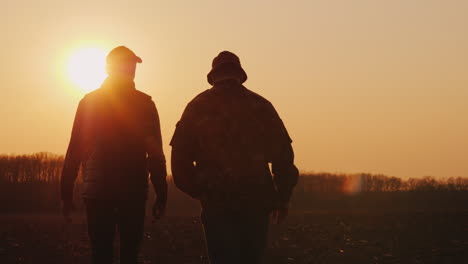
[{"x": 307, "y": 237}]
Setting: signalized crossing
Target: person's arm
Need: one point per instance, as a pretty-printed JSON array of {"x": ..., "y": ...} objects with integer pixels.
[
  {"x": 157, "y": 163},
  {"x": 157, "y": 168},
  {"x": 183, "y": 170},
  {"x": 285, "y": 173},
  {"x": 72, "y": 162},
  {"x": 184, "y": 154}
]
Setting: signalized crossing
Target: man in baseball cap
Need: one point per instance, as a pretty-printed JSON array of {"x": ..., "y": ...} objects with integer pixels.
[
  {"x": 121, "y": 63},
  {"x": 116, "y": 138}
]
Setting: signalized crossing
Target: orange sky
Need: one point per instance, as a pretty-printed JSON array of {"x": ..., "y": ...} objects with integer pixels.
[{"x": 362, "y": 86}]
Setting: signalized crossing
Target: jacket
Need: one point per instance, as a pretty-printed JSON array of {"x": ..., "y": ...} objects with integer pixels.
[
  {"x": 116, "y": 138},
  {"x": 222, "y": 148}
]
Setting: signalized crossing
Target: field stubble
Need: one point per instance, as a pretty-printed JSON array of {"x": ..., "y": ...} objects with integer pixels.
[{"x": 307, "y": 237}]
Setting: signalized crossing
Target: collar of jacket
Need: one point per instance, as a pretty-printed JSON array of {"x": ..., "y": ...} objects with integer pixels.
[
  {"x": 229, "y": 87},
  {"x": 116, "y": 83}
]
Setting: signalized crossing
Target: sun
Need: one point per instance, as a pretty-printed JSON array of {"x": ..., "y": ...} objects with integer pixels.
[{"x": 86, "y": 68}]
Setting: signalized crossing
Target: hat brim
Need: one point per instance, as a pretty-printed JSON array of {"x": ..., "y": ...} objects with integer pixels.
[{"x": 238, "y": 70}]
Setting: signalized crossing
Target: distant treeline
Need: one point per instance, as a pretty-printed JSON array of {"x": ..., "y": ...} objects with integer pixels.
[
  {"x": 365, "y": 182},
  {"x": 31, "y": 183},
  {"x": 38, "y": 167},
  {"x": 46, "y": 167}
]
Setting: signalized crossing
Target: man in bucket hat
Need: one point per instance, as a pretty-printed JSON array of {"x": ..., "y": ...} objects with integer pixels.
[
  {"x": 221, "y": 150},
  {"x": 116, "y": 137}
]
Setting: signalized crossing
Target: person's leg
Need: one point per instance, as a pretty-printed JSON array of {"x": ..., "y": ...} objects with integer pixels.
[
  {"x": 131, "y": 218},
  {"x": 221, "y": 236},
  {"x": 254, "y": 226},
  {"x": 101, "y": 230}
]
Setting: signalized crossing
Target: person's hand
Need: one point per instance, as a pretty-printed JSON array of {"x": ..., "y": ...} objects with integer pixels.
[
  {"x": 280, "y": 213},
  {"x": 67, "y": 208},
  {"x": 159, "y": 210}
]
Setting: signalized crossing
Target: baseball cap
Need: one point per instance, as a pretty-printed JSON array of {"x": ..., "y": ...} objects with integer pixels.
[{"x": 122, "y": 54}]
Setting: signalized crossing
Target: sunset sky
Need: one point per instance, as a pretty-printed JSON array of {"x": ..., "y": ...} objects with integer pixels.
[{"x": 362, "y": 86}]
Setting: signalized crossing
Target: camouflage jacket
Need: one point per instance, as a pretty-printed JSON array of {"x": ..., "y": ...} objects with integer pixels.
[
  {"x": 116, "y": 137},
  {"x": 222, "y": 147}
]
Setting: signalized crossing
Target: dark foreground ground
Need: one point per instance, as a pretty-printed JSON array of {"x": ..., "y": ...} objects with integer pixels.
[{"x": 315, "y": 237}]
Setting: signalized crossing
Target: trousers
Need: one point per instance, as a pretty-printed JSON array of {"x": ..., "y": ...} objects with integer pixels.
[
  {"x": 103, "y": 218},
  {"x": 235, "y": 236}
]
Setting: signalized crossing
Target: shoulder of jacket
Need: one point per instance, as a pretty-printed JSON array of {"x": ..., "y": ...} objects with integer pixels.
[
  {"x": 96, "y": 94},
  {"x": 201, "y": 98},
  {"x": 91, "y": 95},
  {"x": 143, "y": 95},
  {"x": 88, "y": 97},
  {"x": 143, "y": 99},
  {"x": 257, "y": 99}
]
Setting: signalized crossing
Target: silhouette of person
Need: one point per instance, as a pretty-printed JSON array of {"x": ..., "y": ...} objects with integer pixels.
[
  {"x": 221, "y": 150},
  {"x": 116, "y": 138}
]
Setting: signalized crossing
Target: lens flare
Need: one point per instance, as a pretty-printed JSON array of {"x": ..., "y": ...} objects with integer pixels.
[{"x": 353, "y": 184}]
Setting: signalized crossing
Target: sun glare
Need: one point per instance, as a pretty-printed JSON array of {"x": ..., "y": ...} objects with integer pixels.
[{"x": 86, "y": 68}]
